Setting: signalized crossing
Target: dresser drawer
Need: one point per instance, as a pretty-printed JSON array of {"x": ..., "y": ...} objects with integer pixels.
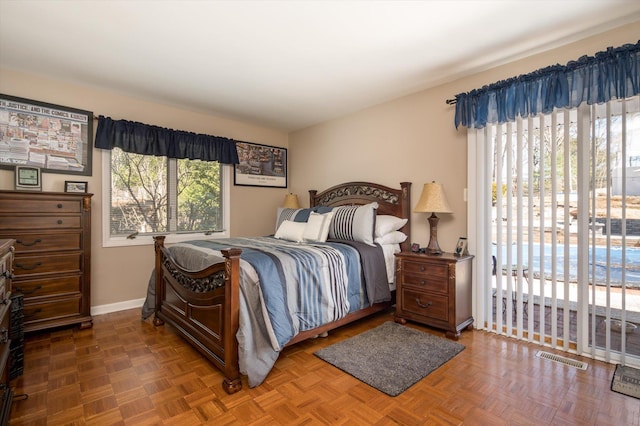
[
  {"x": 41, "y": 222},
  {"x": 57, "y": 263},
  {"x": 39, "y": 242},
  {"x": 51, "y": 310},
  {"x": 20, "y": 204},
  {"x": 46, "y": 287},
  {"x": 425, "y": 304}
]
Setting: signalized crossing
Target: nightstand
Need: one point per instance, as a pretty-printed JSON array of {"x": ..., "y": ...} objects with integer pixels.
[{"x": 434, "y": 290}]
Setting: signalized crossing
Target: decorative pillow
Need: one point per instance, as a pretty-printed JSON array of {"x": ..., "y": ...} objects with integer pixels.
[
  {"x": 317, "y": 228},
  {"x": 291, "y": 231},
  {"x": 296, "y": 215},
  {"x": 387, "y": 223},
  {"x": 393, "y": 237},
  {"x": 284, "y": 214},
  {"x": 354, "y": 223}
]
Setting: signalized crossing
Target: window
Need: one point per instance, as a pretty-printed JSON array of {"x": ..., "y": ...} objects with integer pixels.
[{"x": 148, "y": 195}]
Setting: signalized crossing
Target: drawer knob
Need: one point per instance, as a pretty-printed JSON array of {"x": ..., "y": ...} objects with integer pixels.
[
  {"x": 4, "y": 335},
  {"x": 36, "y": 241},
  {"x": 422, "y": 305},
  {"x": 59, "y": 205},
  {"x": 59, "y": 221},
  {"x": 422, "y": 268}
]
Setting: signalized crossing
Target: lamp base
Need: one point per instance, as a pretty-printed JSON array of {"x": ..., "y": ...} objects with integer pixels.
[{"x": 433, "y": 249}]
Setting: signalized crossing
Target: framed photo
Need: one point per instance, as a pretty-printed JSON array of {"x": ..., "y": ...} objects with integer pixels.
[
  {"x": 54, "y": 138},
  {"x": 461, "y": 248},
  {"x": 75, "y": 186},
  {"x": 261, "y": 165},
  {"x": 28, "y": 178}
]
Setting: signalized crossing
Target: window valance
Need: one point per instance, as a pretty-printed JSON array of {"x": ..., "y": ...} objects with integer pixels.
[
  {"x": 611, "y": 74},
  {"x": 146, "y": 139}
]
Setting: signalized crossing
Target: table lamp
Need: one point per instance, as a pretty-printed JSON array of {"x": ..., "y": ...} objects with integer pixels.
[
  {"x": 291, "y": 202},
  {"x": 433, "y": 200}
]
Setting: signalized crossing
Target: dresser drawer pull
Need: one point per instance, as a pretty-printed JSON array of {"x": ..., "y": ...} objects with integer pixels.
[
  {"x": 59, "y": 221},
  {"x": 59, "y": 205},
  {"x": 4, "y": 335},
  {"x": 33, "y": 290},
  {"x": 422, "y": 268},
  {"x": 28, "y": 268},
  {"x": 36, "y": 241},
  {"x": 422, "y": 305}
]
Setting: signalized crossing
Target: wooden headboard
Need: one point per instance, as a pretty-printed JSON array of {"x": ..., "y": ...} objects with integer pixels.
[{"x": 391, "y": 201}]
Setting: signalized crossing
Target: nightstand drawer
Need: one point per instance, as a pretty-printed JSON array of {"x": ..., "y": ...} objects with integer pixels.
[
  {"x": 439, "y": 270},
  {"x": 425, "y": 282},
  {"x": 425, "y": 304}
]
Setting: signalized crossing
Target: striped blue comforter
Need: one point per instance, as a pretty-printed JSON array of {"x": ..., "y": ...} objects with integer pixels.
[
  {"x": 289, "y": 287},
  {"x": 303, "y": 285}
]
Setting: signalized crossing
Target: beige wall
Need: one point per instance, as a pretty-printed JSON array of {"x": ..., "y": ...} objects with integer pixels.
[
  {"x": 120, "y": 274},
  {"x": 414, "y": 139}
]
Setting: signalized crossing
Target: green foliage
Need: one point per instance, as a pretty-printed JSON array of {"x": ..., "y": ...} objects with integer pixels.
[
  {"x": 494, "y": 192},
  {"x": 141, "y": 194}
]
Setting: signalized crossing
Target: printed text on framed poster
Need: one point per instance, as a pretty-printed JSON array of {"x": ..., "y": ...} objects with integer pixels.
[
  {"x": 261, "y": 165},
  {"x": 55, "y": 138}
]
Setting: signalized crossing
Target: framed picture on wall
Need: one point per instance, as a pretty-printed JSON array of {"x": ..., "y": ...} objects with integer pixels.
[
  {"x": 261, "y": 165},
  {"x": 54, "y": 138}
]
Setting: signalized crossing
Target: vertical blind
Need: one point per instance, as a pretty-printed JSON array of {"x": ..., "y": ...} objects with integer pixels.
[{"x": 547, "y": 185}]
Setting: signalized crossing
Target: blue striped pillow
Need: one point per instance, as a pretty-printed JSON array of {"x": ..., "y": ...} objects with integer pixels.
[{"x": 354, "y": 223}]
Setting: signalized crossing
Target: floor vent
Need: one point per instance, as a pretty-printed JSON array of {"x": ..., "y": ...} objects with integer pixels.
[{"x": 562, "y": 360}]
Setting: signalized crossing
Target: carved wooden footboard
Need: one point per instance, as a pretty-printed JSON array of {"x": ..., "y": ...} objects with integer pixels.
[{"x": 203, "y": 305}]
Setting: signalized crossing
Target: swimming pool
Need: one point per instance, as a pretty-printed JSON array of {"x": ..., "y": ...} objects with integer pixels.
[{"x": 631, "y": 267}]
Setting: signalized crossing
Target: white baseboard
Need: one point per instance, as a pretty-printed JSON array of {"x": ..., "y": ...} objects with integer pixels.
[{"x": 115, "y": 307}]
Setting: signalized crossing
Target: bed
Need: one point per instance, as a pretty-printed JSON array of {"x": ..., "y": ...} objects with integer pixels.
[{"x": 218, "y": 304}]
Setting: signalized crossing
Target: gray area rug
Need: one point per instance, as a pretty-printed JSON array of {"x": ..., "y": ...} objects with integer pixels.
[
  {"x": 390, "y": 357},
  {"x": 626, "y": 380}
]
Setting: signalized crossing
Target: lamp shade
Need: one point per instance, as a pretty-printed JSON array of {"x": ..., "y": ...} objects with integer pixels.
[
  {"x": 291, "y": 201},
  {"x": 432, "y": 199}
]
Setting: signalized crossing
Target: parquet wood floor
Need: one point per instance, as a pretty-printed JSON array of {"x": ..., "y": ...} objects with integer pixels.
[{"x": 125, "y": 371}]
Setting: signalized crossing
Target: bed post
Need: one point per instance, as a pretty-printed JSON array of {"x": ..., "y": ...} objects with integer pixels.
[
  {"x": 159, "y": 244},
  {"x": 232, "y": 382}
]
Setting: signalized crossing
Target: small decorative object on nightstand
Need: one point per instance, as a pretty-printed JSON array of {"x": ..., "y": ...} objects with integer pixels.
[{"x": 434, "y": 290}]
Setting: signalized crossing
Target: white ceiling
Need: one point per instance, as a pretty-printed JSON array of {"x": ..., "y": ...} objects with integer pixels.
[{"x": 286, "y": 64}]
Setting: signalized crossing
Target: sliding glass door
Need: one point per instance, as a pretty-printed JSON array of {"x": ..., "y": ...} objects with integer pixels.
[{"x": 555, "y": 221}]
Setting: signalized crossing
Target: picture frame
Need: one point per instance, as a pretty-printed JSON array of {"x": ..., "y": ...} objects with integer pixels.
[
  {"x": 28, "y": 178},
  {"x": 260, "y": 165},
  {"x": 54, "y": 138},
  {"x": 462, "y": 247},
  {"x": 75, "y": 186}
]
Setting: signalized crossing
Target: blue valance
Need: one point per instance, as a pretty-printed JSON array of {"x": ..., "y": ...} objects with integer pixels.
[
  {"x": 145, "y": 139},
  {"x": 611, "y": 74}
]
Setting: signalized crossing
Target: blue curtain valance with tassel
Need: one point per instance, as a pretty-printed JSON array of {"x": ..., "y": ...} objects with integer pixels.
[
  {"x": 145, "y": 139},
  {"x": 610, "y": 74}
]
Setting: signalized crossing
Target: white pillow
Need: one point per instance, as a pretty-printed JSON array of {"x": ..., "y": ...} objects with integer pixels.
[
  {"x": 317, "y": 228},
  {"x": 393, "y": 237},
  {"x": 387, "y": 223},
  {"x": 291, "y": 231}
]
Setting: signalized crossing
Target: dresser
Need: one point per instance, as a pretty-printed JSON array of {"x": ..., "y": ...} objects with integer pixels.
[
  {"x": 6, "y": 262},
  {"x": 434, "y": 290},
  {"x": 52, "y": 263}
]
